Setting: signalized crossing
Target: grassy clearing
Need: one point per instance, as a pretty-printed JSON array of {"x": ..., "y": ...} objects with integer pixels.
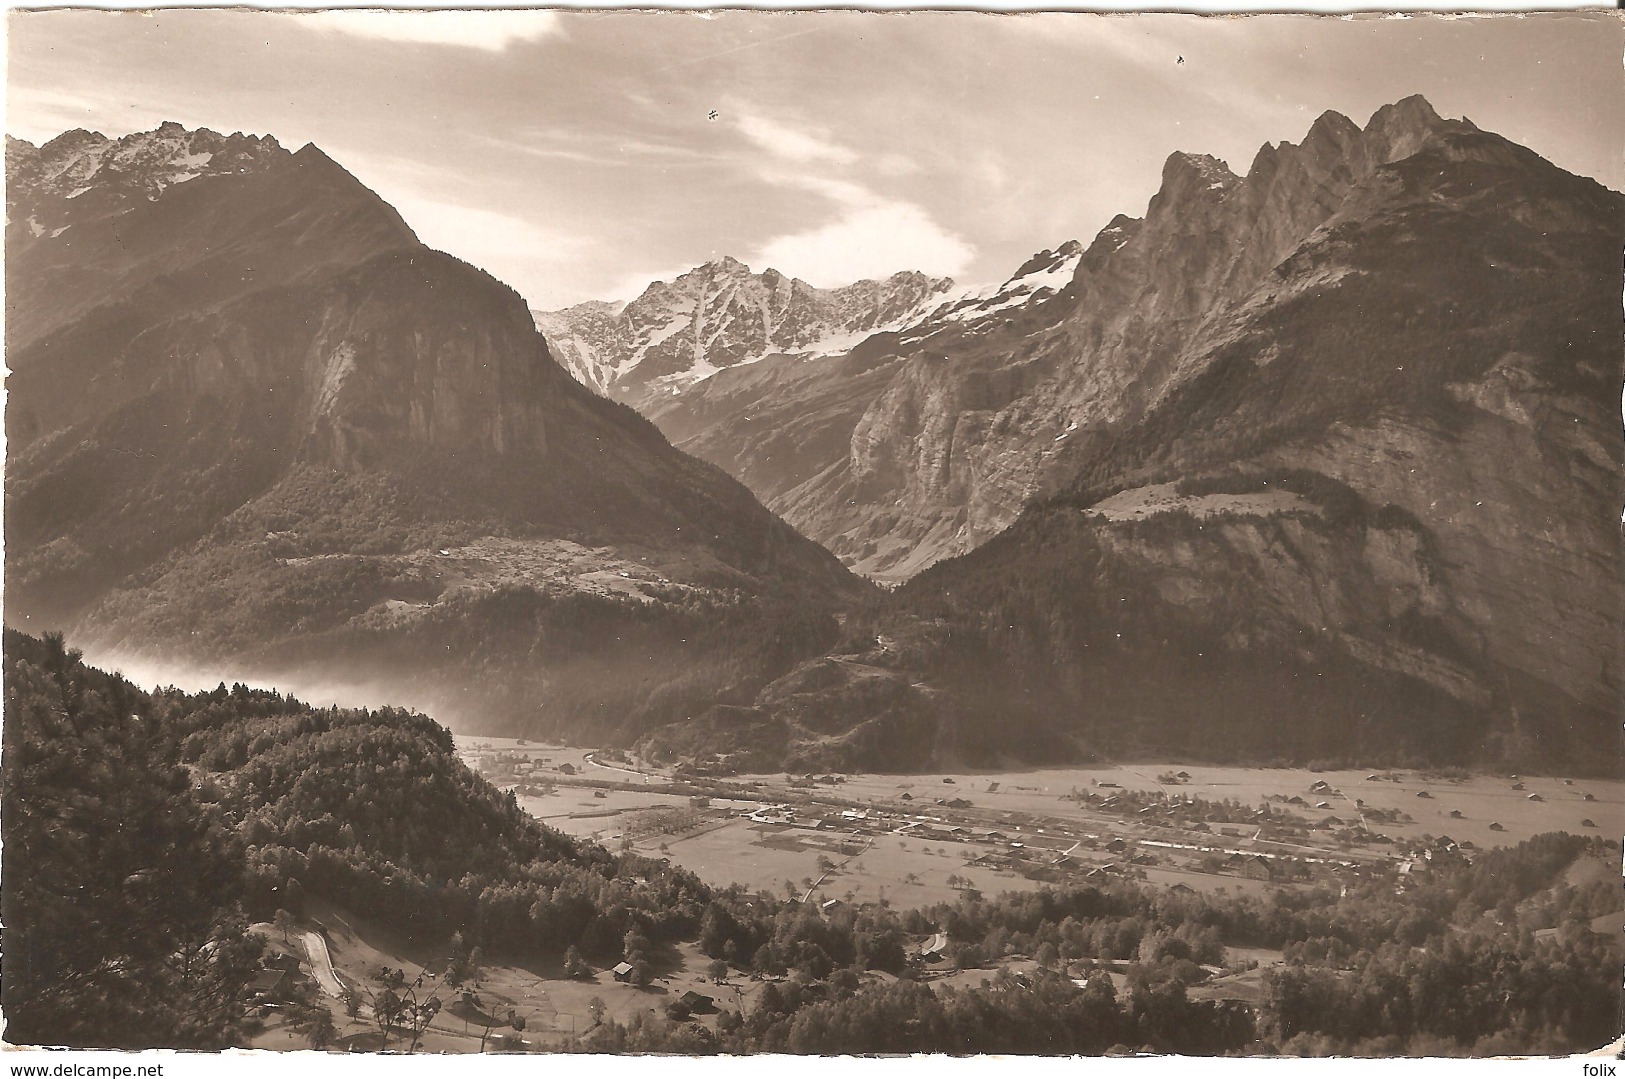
[{"x": 765, "y": 856}]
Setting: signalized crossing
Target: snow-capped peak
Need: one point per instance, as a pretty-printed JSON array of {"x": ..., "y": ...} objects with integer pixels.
[
  {"x": 722, "y": 315},
  {"x": 1042, "y": 276}
]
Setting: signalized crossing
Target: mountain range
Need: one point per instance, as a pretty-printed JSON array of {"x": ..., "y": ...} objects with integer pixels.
[
  {"x": 1314, "y": 462},
  {"x": 720, "y": 316}
]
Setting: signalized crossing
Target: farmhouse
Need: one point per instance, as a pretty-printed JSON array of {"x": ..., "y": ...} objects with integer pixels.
[
  {"x": 268, "y": 985},
  {"x": 933, "y": 947},
  {"x": 622, "y": 971},
  {"x": 697, "y": 1002},
  {"x": 1257, "y": 867}
]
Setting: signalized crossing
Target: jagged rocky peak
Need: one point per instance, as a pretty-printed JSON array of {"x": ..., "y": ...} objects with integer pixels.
[
  {"x": 1118, "y": 231},
  {"x": 1331, "y": 128},
  {"x": 720, "y": 315},
  {"x": 1393, "y": 133},
  {"x": 1189, "y": 180},
  {"x": 145, "y": 162},
  {"x": 1409, "y": 120},
  {"x": 727, "y": 264},
  {"x": 1046, "y": 261},
  {"x": 1203, "y": 171}
]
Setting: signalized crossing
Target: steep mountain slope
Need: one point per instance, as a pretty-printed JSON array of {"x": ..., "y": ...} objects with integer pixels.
[
  {"x": 720, "y": 316},
  {"x": 794, "y": 430},
  {"x": 290, "y": 435},
  {"x": 973, "y": 417},
  {"x": 106, "y": 240},
  {"x": 1342, "y": 480}
]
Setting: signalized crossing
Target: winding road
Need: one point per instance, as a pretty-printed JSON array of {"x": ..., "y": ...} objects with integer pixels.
[{"x": 321, "y": 964}]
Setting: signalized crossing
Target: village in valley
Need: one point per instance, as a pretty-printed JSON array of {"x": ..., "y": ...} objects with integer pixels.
[
  {"x": 828, "y": 845},
  {"x": 1203, "y": 827}
]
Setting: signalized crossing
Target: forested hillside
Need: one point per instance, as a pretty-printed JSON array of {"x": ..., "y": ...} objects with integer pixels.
[{"x": 144, "y": 832}]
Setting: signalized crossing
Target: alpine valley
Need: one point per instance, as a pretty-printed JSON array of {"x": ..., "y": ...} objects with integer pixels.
[
  {"x": 1315, "y": 462},
  {"x": 1196, "y": 638}
]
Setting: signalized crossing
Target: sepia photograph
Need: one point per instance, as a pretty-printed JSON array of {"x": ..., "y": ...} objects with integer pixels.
[{"x": 903, "y": 535}]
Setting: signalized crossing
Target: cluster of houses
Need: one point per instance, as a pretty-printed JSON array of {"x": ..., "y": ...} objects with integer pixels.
[
  {"x": 508, "y": 764},
  {"x": 871, "y": 821}
]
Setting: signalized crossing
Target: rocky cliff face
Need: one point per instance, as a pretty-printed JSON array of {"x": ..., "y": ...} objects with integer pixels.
[
  {"x": 977, "y": 420},
  {"x": 720, "y": 316},
  {"x": 281, "y": 432},
  {"x": 1320, "y": 461}
]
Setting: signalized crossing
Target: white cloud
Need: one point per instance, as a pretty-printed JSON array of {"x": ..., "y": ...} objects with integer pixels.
[
  {"x": 791, "y": 144},
  {"x": 895, "y": 165},
  {"x": 459, "y": 229},
  {"x": 492, "y": 31},
  {"x": 875, "y": 240},
  {"x": 870, "y": 235},
  {"x": 628, "y": 286},
  {"x": 516, "y": 252}
]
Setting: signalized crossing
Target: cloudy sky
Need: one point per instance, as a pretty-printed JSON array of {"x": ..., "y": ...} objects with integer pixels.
[{"x": 580, "y": 155}]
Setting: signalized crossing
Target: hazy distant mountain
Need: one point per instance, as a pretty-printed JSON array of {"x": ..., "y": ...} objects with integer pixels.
[
  {"x": 1326, "y": 461},
  {"x": 720, "y": 316},
  {"x": 251, "y": 417}
]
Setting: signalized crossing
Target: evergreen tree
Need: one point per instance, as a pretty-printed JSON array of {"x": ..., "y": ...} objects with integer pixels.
[{"x": 120, "y": 888}]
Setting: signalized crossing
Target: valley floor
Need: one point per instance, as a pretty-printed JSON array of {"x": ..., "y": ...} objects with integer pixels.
[{"x": 916, "y": 839}]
